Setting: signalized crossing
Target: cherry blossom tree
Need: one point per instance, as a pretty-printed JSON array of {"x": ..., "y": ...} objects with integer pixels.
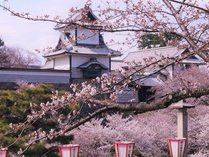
[
  {"x": 15, "y": 57},
  {"x": 186, "y": 19},
  {"x": 180, "y": 87},
  {"x": 1, "y": 42},
  {"x": 149, "y": 131}
]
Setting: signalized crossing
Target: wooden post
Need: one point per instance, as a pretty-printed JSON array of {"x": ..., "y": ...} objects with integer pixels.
[{"x": 182, "y": 122}]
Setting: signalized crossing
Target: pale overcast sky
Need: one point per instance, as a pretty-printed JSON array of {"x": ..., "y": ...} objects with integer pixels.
[{"x": 31, "y": 35}]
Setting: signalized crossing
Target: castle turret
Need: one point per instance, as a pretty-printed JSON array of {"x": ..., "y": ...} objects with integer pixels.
[{"x": 81, "y": 48}]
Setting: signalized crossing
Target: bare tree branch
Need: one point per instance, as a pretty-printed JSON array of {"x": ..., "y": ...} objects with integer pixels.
[
  {"x": 184, "y": 29},
  {"x": 191, "y": 5}
]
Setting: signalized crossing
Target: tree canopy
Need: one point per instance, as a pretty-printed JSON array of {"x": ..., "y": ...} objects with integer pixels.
[
  {"x": 150, "y": 40},
  {"x": 11, "y": 57},
  {"x": 1, "y": 42}
]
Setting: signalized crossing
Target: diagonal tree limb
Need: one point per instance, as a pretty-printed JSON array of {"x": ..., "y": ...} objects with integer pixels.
[
  {"x": 137, "y": 108},
  {"x": 191, "y": 5},
  {"x": 184, "y": 29}
]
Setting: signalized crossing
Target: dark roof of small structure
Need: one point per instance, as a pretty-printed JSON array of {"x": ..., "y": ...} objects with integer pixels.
[
  {"x": 91, "y": 62},
  {"x": 83, "y": 16}
]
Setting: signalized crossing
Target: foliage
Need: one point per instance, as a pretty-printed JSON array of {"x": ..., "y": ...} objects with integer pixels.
[
  {"x": 16, "y": 58},
  {"x": 149, "y": 131},
  {"x": 15, "y": 106},
  {"x": 181, "y": 18},
  {"x": 1, "y": 42},
  {"x": 63, "y": 114},
  {"x": 150, "y": 40}
]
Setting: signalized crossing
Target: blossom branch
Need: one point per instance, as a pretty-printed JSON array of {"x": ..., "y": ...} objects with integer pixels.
[
  {"x": 137, "y": 108},
  {"x": 191, "y": 5}
]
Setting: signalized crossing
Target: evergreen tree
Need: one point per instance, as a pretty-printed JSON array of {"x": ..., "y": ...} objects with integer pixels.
[
  {"x": 14, "y": 107},
  {"x": 154, "y": 40},
  {"x": 1, "y": 42}
]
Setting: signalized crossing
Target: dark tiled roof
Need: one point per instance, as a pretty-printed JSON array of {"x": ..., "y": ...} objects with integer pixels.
[{"x": 91, "y": 62}]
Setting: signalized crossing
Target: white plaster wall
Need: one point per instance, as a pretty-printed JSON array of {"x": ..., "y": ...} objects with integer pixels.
[
  {"x": 104, "y": 61},
  {"x": 85, "y": 36},
  {"x": 78, "y": 60},
  {"x": 116, "y": 65},
  {"x": 48, "y": 65},
  {"x": 76, "y": 73},
  {"x": 62, "y": 63}
]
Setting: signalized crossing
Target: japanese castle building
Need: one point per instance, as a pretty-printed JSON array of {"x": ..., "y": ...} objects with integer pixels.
[{"x": 81, "y": 50}]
